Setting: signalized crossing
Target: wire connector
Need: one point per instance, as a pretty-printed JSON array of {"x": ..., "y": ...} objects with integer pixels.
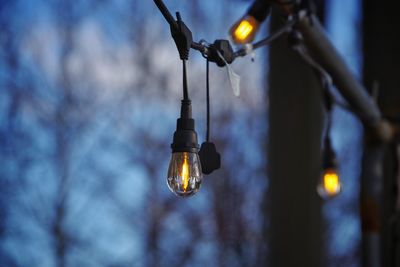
[
  {"x": 182, "y": 37},
  {"x": 209, "y": 157},
  {"x": 221, "y": 53}
]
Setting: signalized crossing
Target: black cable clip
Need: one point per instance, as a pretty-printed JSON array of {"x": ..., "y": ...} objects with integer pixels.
[
  {"x": 182, "y": 37},
  {"x": 221, "y": 48},
  {"x": 214, "y": 52}
]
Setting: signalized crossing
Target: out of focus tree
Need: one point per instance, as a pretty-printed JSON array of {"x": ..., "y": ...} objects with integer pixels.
[{"x": 90, "y": 92}]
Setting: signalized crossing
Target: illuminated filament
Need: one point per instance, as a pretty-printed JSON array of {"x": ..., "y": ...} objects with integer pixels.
[
  {"x": 331, "y": 183},
  {"x": 243, "y": 30},
  {"x": 185, "y": 172}
]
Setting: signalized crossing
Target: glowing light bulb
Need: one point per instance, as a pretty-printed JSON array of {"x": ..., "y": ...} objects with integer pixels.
[
  {"x": 244, "y": 30},
  {"x": 329, "y": 185},
  {"x": 184, "y": 174}
]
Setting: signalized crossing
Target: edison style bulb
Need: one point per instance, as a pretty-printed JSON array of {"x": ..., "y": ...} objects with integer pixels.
[
  {"x": 330, "y": 184},
  {"x": 184, "y": 174},
  {"x": 244, "y": 30}
]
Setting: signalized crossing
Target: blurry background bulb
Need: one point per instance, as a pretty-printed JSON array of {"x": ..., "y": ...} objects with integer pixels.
[
  {"x": 244, "y": 30},
  {"x": 329, "y": 185},
  {"x": 184, "y": 174}
]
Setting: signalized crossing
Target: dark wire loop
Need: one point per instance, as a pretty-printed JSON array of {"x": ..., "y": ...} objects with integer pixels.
[
  {"x": 326, "y": 82},
  {"x": 276, "y": 34}
]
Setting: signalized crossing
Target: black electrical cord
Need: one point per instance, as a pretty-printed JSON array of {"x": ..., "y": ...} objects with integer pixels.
[
  {"x": 167, "y": 15},
  {"x": 208, "y": 99},
  {"x": 209, "y": 156},
  {"x": 328, "y": 107},
  {"x": 185, "y": 84},
  {"x": 276, "y": 34},
  {"x": 326, "y": 79}
]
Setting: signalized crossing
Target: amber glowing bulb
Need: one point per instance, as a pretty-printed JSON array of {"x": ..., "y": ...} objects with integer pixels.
[
  {"x": 330, "y": 184},
  {"x": 184, "y": 174},
  {"x": 244, "y": 30}
]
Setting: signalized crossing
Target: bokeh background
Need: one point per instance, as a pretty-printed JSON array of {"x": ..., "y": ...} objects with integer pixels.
[{"x": 89, "y": 95}]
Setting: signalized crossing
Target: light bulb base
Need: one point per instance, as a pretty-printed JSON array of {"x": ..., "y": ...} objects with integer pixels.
[
  {"x": 185, "y": 141},
  {"x": 260, "y": 10},
  {"x": 185, "y": 137},
  {"x": 329, "y": 160}
]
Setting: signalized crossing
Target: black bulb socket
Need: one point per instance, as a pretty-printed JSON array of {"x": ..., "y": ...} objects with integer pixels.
[
  {"x": 260, "y": 9},
  {"x": 185, "y": 137},
  {"x": 329, "y": 160}
]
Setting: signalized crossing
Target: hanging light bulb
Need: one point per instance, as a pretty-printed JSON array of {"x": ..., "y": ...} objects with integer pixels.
[
  {"x": 245, "y": 29},
  {"x": 184, "y": 172},
  {"x": 329, "y": 185}
]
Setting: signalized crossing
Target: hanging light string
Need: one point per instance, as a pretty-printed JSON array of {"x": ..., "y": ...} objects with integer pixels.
[
  {"x": 208, "y": 99},
  {"x": 204, "y": 47}
]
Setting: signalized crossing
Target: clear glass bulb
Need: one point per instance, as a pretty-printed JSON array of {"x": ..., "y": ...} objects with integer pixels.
[
  {"x": 184, "y": 174},
  {"x": 330, "y": 184}
]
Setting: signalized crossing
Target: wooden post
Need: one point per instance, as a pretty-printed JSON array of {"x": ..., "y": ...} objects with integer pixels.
[
  {"x": 380, "y": 216},
  {"x": 294, "y": 147}
]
